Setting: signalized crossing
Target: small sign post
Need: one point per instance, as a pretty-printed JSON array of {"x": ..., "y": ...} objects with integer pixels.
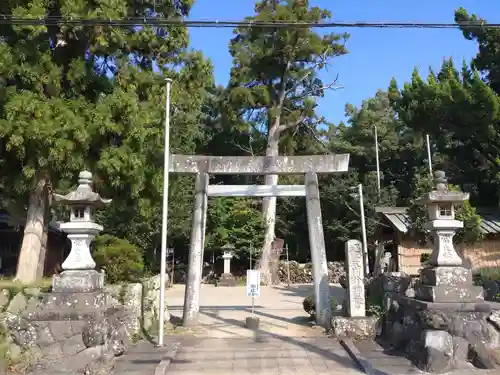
[{"x": 253, "y": 286}]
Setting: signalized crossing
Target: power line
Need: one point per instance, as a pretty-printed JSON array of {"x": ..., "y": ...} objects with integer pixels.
[{"x": 164, "y": 22}]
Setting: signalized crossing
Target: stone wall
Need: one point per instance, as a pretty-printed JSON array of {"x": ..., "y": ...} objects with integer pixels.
[
  {"x": 437, "y": 339},
  {"x": 485, "y": 254},
  {"x": 409, "y": 255},
  {"x": 141, "y": 302},
  {"x": 91, "y": 326}
]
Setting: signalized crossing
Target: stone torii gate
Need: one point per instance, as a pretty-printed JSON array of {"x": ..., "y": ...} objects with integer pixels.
[{"x": 310, "y": 166}]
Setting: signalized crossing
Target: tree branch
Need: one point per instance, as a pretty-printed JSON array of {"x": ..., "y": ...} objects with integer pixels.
[
  {"x": 290, "y": 125},
  {"x": 331, "y": 86},
  {"x": 245, "y": 149},
  {"x": 323, "y": 60}
]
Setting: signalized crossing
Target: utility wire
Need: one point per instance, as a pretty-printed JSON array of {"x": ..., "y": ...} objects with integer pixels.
[{"x": 163, "y": 22}]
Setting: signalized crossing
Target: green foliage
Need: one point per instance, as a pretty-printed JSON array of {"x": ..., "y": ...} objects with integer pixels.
[
  {"x": 74, "y": 97},
  {"x": 121, "y": 260},
  {"x": 488, "y": 40},
  {"x": 14, "y": 287},
  {"x": 234, "y": 221},
  {"x": 459, "y": 110},
  {"x": 471, "y": 232},
  {"x": 400, "y": 151},
  {"x": 375, "y": 308},
  {"x": 340, "y": 195},
  {"x": 418, "y": 215},
  {"x": 492, "y": 274},
  {"x": 309, "y": 305},
  {"x": 424, "y": 258}
]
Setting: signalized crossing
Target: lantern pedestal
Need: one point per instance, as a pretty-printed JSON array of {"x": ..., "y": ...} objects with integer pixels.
[
  {"x": 446, "y": 280},
  {"x": 84, "y": 281},
  {"x": 81, "y": 234},
  {"x": 448, "y": 285},
  {"x": 227, "y": 279}
]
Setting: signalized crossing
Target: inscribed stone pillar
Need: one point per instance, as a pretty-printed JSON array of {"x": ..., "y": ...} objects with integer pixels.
[
  {"x": 355, "y": 286},
  {"x": 318, "y": 253},
  {"x": 193, "y": 284}
]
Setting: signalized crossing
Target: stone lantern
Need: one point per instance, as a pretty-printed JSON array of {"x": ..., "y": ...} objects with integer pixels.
[
  {"x": 445, "y": 280},
  {"x": 227, "y": 278},
  {"x": 79, "y": 267}
]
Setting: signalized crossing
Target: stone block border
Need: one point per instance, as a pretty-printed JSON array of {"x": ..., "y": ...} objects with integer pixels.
[
  {"x": 358, "y": 358},
  {"x": 162, "y": 367}
]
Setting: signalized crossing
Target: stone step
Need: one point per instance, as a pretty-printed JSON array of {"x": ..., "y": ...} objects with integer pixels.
[{"x": 381, "y": 360}]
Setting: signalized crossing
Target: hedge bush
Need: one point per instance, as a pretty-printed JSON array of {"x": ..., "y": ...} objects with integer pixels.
[
  {"x": 121, "y": 260},
  {"x": 309, "y": 305}
]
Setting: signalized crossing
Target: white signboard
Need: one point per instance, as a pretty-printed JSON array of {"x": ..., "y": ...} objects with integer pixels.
[{"x": 253, "y": 283}]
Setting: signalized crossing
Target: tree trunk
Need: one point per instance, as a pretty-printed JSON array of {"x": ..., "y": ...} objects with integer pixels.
[
  {"x": 31, "y": 254},
  {"x": 269, "y": 207},
  {"x": 42, "y": 261}
]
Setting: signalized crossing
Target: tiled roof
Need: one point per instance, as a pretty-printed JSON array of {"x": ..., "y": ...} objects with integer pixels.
[{"x": 397, "y": 216}]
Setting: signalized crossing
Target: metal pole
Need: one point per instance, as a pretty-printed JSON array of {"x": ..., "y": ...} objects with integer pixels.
[
  {"x": 250, "y": 257},
  {"x": 163, "y": 257},
  {"x": 429, "y": 157},
  {"x": 173, "y": 266},
  {"x": 377, "y": 160},
  {"x": 363, "y": 228},
  {"x": 287, "y": 264}
]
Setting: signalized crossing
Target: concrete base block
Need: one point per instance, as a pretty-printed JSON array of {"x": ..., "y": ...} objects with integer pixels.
[
  {"x": 252, "y": 322},
  {"x": 227, "y": 279}
]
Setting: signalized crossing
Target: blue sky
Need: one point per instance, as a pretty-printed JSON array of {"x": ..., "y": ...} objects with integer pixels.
[{"x": 376, "y": 55}]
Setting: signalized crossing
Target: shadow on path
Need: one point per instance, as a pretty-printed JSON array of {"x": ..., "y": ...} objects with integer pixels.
[
  {"x": 306, "y": 290},
  {"x": 212, "y": 311},
  {"x": 323, "y": 347}
]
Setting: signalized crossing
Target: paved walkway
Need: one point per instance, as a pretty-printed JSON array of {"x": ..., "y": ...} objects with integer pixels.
[
  {"x": 286, "y": 341},
  {"x": 223, "y": 310},
  {"x": 263, "y": 354}
]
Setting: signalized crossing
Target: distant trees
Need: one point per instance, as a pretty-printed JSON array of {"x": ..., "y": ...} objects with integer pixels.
[{"x": 74, "y": 97}]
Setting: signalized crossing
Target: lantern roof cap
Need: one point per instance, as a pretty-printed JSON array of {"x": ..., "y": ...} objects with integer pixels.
[
  {"x": 442, "y": 194},
  {"x": 83, "y": 195}
]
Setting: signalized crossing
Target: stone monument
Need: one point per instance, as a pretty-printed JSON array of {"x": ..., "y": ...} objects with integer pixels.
[
  {"x": 79, "y": 273},
  {"x": 227, "y": 278},
  {"x": 355, "y": 279},
  {"x": 354, "y": 323},
  {"x": 446, "y": 323}
]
